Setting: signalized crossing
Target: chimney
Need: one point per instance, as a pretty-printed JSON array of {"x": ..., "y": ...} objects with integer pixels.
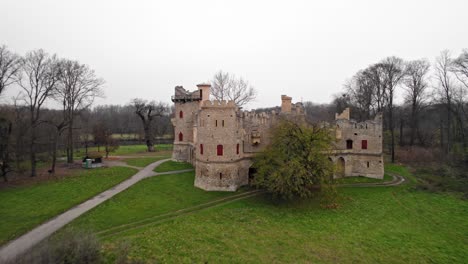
[
  {"x": 285, "y": 104},
  {"x": 204, "y": 89}
]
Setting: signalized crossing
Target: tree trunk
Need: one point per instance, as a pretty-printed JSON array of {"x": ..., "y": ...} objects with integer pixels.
[
  {"x": 401, "y": 132},
  {"x": 149, "y": 138},
  {"x": 70, "y": 143},
  {"x": 413, "y": 125},
  {"x": 449, "y": 125},
  {"x": 32, "y": 150},
  {"x": 54, "y": 153}
]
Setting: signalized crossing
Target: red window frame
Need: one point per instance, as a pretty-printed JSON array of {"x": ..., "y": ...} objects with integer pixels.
[
  {"x": 201, "y": 149},
  {"x": 219, "y": 150},
  {"x": 364, "y": 144},
  {"x": 181, "y": 136},
  {"x": 181, "y": 114}
]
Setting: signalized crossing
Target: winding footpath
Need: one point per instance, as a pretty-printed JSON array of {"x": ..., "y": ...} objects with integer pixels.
[
  {"x": 33, "y": 237},
  {"x": 28, "y": 240}
]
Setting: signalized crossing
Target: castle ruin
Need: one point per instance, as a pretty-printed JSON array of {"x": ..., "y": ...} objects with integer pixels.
[{"x": 220, "y": 140}]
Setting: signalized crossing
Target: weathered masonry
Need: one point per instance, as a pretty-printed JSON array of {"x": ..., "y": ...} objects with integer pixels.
[{"x": 220, "y": 140}]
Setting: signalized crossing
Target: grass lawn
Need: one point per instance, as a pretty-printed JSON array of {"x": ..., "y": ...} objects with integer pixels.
[
  {"x": 124, "y": 150},
  {"x": 373, "y": 225},
  {"x": 143, "y": 162},
  {"x": 23, "y": 208},
  {"x": 361, "y": 179},
  {"x": 173, "y": 166},
  {"x": 149, "y": 197}
]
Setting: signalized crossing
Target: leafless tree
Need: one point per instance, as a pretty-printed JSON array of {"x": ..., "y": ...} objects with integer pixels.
[
  {"x": 147, "y": 111},
  {"x": 361, "y": 91},
  {"x": 393, "y": 73},
  {"x": 446, "y": 89},
  {"x": 9, "y": 67},
  {"x": 459, "y": 66},
  {"x": 415, "y": 85},
  {"x": 226, "y": 86},
  {"x": 38, "y": 79},
  {"x": 78, "y": 88}
]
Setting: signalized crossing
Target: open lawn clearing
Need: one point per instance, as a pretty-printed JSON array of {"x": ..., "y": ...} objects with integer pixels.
[
  {"x": 149, "y": 198},
  {"x": 23, "y": 208},
  {"x": 143, "y": 162},
  {"x": 360, "y": 179},
  {"x": 125, "y": 150},
  {"x": 373, "y": 225},
  {"x": 173, "y": 166}
]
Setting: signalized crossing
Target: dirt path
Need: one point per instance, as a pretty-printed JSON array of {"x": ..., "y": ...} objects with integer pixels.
[{"x": 28, "y": 240}]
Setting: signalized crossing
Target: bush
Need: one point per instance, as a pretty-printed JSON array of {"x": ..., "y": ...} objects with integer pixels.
[{"x": 68, "y": 247}]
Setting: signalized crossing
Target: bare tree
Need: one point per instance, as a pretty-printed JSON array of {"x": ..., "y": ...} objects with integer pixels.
[
  {"x": 5, "y": 147},
  {"x": 77, "y": 90},
  {"x": 147, "y": 111},
  {"x": 446, "y": 89},
  {"x": 361, "y": 91},
  {"x": 9, "y": 67},
  {"x": 227, "y": 87},
  {"x": 38, "y": 79},
  {"x": 416, "y": 84},
  {"x": 459, "y": 66},
  {"x": 393, "y": 73}
]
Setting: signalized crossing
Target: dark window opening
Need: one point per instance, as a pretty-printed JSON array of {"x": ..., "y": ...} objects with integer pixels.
[
  {"x": 181, "y": 114},
  {"x": 364, "y": 144},
  {"x": 223, "y": 123},
  {"x": 201, "y": 149},
  {"x": 216, "y": 123},
  {"x": 368, "y": 164},
  {"x": 237, "y": 149},
  {"x": 220, "y": 176},
  {"x": 349, "y": 144},
  {"x": 201, "y": 93},
  {"x": 219, "y": 150},
  {"x": 181, "y": 136},
  {"x": 355, "y": 134}
]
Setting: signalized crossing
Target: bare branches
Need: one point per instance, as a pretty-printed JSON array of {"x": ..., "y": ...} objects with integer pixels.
[
  {"x": 227, "y": 87},
  {"x": 147, "y": 111},
  {"x": 460, "y": 67},
  {"x": 9, "y": 67}
]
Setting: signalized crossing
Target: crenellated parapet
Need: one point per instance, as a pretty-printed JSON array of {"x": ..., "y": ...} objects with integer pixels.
[{"x": 218, "y": 104}]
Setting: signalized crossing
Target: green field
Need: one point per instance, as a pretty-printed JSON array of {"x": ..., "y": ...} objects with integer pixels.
[
  {"x": 360, "y": 179},
  {"x": 124, "y": 150},
  {"x": 143, "y": 162},
  {"x": 23, "y": 208},
  {"x": 372, "y": 225},
  {"x": 149, "y": 197},
  {"x": 173, "y": 166}
]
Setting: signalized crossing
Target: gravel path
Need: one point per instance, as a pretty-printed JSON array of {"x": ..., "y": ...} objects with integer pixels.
[{"x": 28, "y": 240}]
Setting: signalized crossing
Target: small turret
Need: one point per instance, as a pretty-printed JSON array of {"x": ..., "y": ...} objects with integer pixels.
[
  {"x": 205, "y": 90},
  {"x": 285, "y": 104}
]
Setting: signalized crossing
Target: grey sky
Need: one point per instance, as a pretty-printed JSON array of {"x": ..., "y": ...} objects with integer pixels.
[{"x": 305, "y": 49}]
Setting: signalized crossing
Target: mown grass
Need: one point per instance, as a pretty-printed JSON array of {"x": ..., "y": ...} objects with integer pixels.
[
  {"x": 147, "y": 198},
  {"x": 373, "y": 225},
  {"x": 143, "y": 162},
  {"x": 173, "y": 166},
  {"x": 124, "y": 150},
  {"x": 361, "y": 179},
  {"x": 23, "y": 208}
]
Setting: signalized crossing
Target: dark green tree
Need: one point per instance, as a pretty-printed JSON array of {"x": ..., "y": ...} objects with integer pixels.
[{"x": 296, "y": 163}]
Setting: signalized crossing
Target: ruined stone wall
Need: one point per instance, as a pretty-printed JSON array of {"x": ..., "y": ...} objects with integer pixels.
[
  {"x": 361, "y": 158},
  {"x": 184, "y": 125}
]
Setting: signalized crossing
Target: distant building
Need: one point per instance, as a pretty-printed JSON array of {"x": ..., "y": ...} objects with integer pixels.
[{"x": 220, "y": 140}]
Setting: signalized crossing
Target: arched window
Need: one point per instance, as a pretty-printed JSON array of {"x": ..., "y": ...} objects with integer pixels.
[
  {"x": 181, "y": 114},
  {"x": 181, "y": 136},
  {"x": 237, "y": 149},
  {"x": 349, "y": 144},
  {"x": 201, "y": 149},
  {"x": 219, "y": 150}
]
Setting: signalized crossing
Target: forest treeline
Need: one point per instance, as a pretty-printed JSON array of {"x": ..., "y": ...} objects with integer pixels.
[
  {"x": 430, "y": 124},
  {"x": 53, "y": 113}
]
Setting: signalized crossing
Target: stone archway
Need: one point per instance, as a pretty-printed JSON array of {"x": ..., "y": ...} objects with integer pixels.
[{"x": 340, "y": 167}]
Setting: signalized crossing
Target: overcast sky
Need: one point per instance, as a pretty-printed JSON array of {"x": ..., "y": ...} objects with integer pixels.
[{"x": 305, "y": 49}]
